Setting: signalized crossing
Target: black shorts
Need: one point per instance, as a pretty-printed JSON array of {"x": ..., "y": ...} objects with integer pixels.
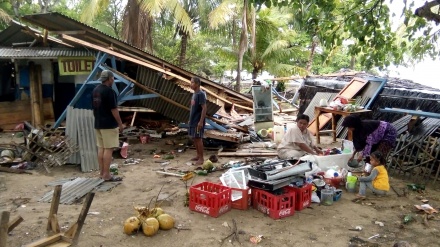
[{"x": 193, "y": 133}]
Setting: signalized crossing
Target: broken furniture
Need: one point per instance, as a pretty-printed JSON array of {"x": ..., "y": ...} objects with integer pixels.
[
  {"x": 48, "y": 148},
  {"x": 320, "y": 110},
  {"x": 71, "y": 236},
  {"x": 263, "y": 111}
]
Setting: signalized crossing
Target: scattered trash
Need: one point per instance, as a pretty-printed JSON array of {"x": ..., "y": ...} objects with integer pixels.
[
  {"x": 256, "y": 239},
  {"x": 427, "y": 208},
  {"x": 225, "y": 224},
  {"x": 408, "y": 218},
  {"x": 114, "y": 169},
  {"x": 424, "y": 201},
  {"x": 374, "y": 236},
  {"x": 416, "y": 187},
  {"x": 379, "y": 223},
  {"x": 357, "y": 228}
]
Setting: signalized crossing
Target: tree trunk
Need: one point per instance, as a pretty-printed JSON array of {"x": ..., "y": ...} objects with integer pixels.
[
  {"x": 255, "y": 73},
  {"x": 352, "y": 62},
  {"x": 243, "y": 45},
  {"x": 137, "y": 26},
  {"x": 183, "y": 44},
  {"x": 312, "y": 55}
]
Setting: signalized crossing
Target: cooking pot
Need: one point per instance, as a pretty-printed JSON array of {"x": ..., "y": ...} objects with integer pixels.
[{"x": 319, "y": 183}]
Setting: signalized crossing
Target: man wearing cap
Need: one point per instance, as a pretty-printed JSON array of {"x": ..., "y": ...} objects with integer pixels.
[{"x": 107, "y": 123}]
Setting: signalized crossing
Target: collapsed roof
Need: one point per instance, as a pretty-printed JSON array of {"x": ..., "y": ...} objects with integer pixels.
[{"x": 158, "y": 75}]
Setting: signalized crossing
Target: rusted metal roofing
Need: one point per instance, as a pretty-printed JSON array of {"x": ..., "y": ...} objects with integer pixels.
[
  {"x": 74, "y": 190},
  {"x": 169, "y": 90},
  {"x": 58, "y": 23},
  {"x": 38, "y": 52},
  {"x": 16, "y": 33}
]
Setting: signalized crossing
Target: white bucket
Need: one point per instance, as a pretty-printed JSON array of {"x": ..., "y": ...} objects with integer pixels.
[{"x": 278, "y": 133}]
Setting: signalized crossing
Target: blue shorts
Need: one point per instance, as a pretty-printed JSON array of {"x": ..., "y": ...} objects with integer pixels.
[{"x": 193, "y": 133}]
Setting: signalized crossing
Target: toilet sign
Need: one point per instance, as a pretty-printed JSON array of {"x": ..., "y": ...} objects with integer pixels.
[{"x": 75, "y": 65}]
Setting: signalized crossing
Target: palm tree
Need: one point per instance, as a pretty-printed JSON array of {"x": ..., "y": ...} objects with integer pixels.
[
  {"x": 185, "y": 14},
  {"x": 277, "y": 49},
  {"x": 226, "y": 12}
]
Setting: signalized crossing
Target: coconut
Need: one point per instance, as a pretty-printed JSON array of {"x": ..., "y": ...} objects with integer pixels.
[
  {"x": 207, "y": 165},
  {"x": 166, "y": 222},
  {"x": 131, "y": 225},
  {"x": 150, "y": 226},
  {"x": 156, "y": 212}
]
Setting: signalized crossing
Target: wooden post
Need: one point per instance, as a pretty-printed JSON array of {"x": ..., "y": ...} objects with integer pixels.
[
  {"x": 75, "y": 229},
  {"x": 39, "y": 79},
  {"x": 35, "y": 93},
  {"x": 52, "y": 221},
  {"x": 4, "y": 222}
]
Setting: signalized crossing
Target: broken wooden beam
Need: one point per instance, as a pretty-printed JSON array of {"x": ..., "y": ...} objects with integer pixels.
[
  {"x": 14, "y": 223},
  {"x": 11, "y": 170}
]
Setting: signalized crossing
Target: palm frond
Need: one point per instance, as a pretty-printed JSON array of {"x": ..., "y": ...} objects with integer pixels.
[
  {"x": 276, "y": 46},
  {"x": 92, "y": 9},
  {"x": 222, "y": 14},
  {"x": 155, "y": 7},
  {"x": 181, "y": 16},
  {"x": 4, "y": 17},
  {"x": 286, "y": 70}
]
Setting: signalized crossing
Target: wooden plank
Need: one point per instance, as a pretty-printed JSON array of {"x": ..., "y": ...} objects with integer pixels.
[
  {"x": 352, "y": 88},
  {"x": 323, "y": 120},
  {"x": 14, "y": 223},
  {"x": 52, "y": 221},
  {"x": 45, "y": 241},
  {"x": 4, "y": 221},
  {"x": 75, "y": 230},
  {"x": 14, "y": 113},
  {"x": 148, "y": 65}
]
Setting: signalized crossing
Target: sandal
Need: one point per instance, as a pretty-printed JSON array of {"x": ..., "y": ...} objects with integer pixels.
[{"x": 114, "y": 179}]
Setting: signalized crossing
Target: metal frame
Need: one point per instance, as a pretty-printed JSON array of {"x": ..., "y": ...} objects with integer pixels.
[{"x": 125, "y": 95}]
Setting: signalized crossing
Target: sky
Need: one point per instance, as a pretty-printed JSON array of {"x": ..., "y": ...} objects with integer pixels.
[{"x": 424, "y": 72}]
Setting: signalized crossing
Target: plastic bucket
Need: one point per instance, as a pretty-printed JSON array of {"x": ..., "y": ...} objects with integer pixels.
[
  {"x": 352, "y": 179},
  {"x": 327, "y": 197},
  {"x": 351, "y": 187},
  {"x": 262, "y": 132}
]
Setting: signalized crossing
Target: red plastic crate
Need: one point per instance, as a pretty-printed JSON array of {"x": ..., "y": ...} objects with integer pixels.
[
  {"x": 303, "y": 197},
  {"x": 245, "y": 201},
  {"x": 276, "y": 206},
  {"x": 209, "y": 198}
]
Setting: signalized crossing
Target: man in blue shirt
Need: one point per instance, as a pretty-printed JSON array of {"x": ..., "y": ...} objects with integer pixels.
[{"x": 197, "y": 118}]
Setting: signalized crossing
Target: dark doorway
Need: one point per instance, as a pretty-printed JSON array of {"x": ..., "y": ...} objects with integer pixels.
[{"x": 64, "y": 90}]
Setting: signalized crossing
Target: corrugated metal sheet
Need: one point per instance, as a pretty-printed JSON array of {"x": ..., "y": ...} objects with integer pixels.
[
  {"x": 168, "y": 89},
  {"x": 80, "y": 128},
  {"x": 310, "y": 110},
  {"x": 17, "y": 32},
  {"x": 74, "y": 190},
  {"x": 72, "y": 133},
  {"x": 33, "y": 52},
  {"x": 60, "y": 181},
  {"x": 59, "y": 22}
]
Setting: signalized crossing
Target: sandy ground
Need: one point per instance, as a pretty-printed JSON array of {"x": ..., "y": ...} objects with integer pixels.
[{"x": 314, "y": 226}]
